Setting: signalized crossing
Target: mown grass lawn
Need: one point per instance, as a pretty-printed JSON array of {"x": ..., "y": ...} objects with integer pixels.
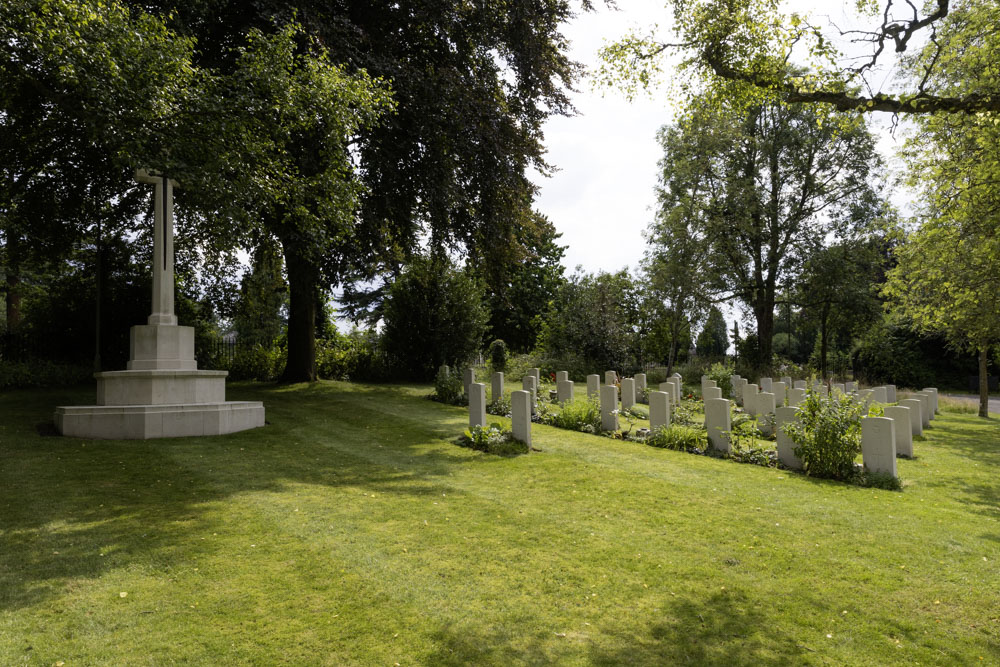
[{"x": 351, "y": 530}]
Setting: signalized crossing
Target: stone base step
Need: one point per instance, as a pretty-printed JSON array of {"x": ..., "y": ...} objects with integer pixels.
[{"x": 143, "y": 422}]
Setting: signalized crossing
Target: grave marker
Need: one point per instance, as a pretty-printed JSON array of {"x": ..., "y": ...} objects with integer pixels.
[
  {"x": 564, "y": 391},
  {"x": 916, "y": 419},
  {"x": 520, "y": 416},
  {"x": 562, "y": 376},
  {"x": 659, "y": 409},
  {"x": 712, "y": 392},
  {"x": 780, "y": 391},
  {"x": 609, "y": 408},
  {"x": 530, "y": 384},
  {"x": 784, "y": 443},
  {"x": 900, "y": 415},
  {"x": 628, "y": 393},
  {"x": 717, "y": 423},
  {"x": 765, "y": 408},
  {"x": 496, "y": 387},
  {"x": 477, "y": 404},
  {"x": 593, "y": 386},
  {"x": 878, "y": 444},
  {"x": 796, "y": 396}
]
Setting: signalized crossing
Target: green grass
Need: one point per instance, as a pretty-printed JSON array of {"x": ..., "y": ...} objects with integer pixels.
[{"x": 351, "y": 530}]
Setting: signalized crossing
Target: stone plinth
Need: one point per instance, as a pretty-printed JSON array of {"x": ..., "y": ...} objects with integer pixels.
[
  {"x": 593, "y": 386},
  {"x": 144, "y": 422},
  {"x": 477, "y": 404},
  {"x": 161, "y": 347},
  {"x": 659, "y": 409},
  {"x": 916, "y": 406},
  {"x": 784, "y": 443},
  {"x": 717, "y": 423},
  {"x": 900, "y": 415},
  {"x": 160, "y": 387},
  {"x": 878, "y": 444},
  {"x": 520, "y": 416},
  {"x": 609, "y": 408}
]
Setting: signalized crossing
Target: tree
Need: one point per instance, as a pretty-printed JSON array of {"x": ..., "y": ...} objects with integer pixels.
[
  {"x": 712, "y": 341},
  {"x": 594, "y": 321},
  {"x": 433, "y": 315},
  {"x": 473, "y": 84},
  {"x": 263, "y": 299},
  {"x": 762, "y": 188},
  {"x": 741, "y": 51},
  {"x": 839, "y": 283}
]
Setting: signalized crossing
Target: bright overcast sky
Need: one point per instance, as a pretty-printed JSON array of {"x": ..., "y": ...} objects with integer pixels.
[{"x": 602, "y": 196}]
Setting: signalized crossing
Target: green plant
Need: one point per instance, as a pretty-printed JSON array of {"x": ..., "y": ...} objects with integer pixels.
[
  {"x": 498, "y": 355},
  {"x": 448, "y": 387},
  {"x": 499, "y": 407},
  {"x": 721, "y": 373},
  {"x": 744, "y": 431},
  {"x": 678, "y": 438},
  {"x": 827, "y": 435},
  {"x": 577, "y": 415},
  {"x": 41, "y": 373},
  {"x": 684, "y": 413},
  {"x": 492, "y": 439}
]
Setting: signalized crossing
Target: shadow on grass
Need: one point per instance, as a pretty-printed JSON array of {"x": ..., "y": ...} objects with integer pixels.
[
  {"x": 723, "y": 629},
  {"x": 76, "y": 508}
]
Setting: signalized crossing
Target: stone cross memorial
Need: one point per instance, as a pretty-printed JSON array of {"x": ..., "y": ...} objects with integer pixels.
[{"x": 161, "y": 394}]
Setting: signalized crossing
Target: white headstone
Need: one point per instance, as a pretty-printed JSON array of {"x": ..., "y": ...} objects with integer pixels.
[
  {"x": 659, "y": 409},
  {"x": 800, "y": 384},
  {"x": 628, "y": 393},
  {"x": 784, "y": 444},
  {"x": 609, "y": 408},
  {"x": 890, "y": 390},
  {"x": 477, "y": 404},
  {"x": 468, "y": 379},
  {"x": 900, "y": 415},
  {"x": 712, "y": 392},
  {"x": 530, "y": 385},
  {"x": 779, "y": 389},
  {"x": 880, "y": 395},
  {"x": 736, "y": 383},
  {"x": 878, "y": 444},
  {"x": 851, "y": 386},
  {"x": 916, "y": 406},
  {"x": 934, "y": 399},
  {"x": 537, "y": 373},
  {"x": 796, "y": 396},
  {"x": 838, "y": 388},
  {"x": 610, "y": 377},
  {"x": 496, "y": 387},
  {"x": 750, "y": 399},
  {"x": 520, "y": 416},
  {"x": 594, "y": 386},
  {"x": 787, "y": 379},
  {"x": 717, "y": 423},
  {"x": 640, "y": 382},
  {"x": 562, "y": 376},
  {"x": 564, "y": 391},
  {"x": 926, "y": 407},
  {"x": 765, "y": 384},
  {"x": 765, "y": 411}
]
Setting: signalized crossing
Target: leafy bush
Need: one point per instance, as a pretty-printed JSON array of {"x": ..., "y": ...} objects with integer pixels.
[
  {"x": 41, "y": 373},
  {"x": 722, "y": 373},
  {"x": 492, "y": 439},
  {"x": 683, "y": 413},
  {"x": 257, "y": 362},
  {"x": 744, "y": 431},
  {"x": 678, "y": 438},
  {"x": 448, "y": 387},
  {"x": 498, "y": 355},
  {"x": 827, "y": 435},
  {"x": 499, "y": 407},
  {"x": 754, "y": 454},
  {"x": 577, "y": 415}
]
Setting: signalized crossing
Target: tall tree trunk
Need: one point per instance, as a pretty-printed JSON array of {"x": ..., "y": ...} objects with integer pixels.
[
  {"x": 12, "y": 285},
  {"x": 673, "y": 345},
  {"x": 302, "y": 291},
  {"x": 822, "y": 340},
  {"x": 764, "y": 314},
  {"x": 984, "y": 382}
]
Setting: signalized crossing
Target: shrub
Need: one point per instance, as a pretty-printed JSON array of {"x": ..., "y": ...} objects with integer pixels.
[
  {"x": 257, "y": 362},
  {"x": 722, "y": 372},
  {"x": 492, "y": 439},
  {"x": 41, "y": 373},
  {"x": 500, "y": 407},
  {"x": 683, "y": 413},
  {"x": 827, "y": 435},
  {"x": 678, "y": 438},
  {"x": 744, "y": 431},
  {"x": 576, "y": 415},
  {"x": 448, "y": 387},
  {"x": 498, "y": 355}
]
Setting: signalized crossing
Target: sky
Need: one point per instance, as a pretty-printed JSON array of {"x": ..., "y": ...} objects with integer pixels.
[{"x": 603, "y": 194}]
